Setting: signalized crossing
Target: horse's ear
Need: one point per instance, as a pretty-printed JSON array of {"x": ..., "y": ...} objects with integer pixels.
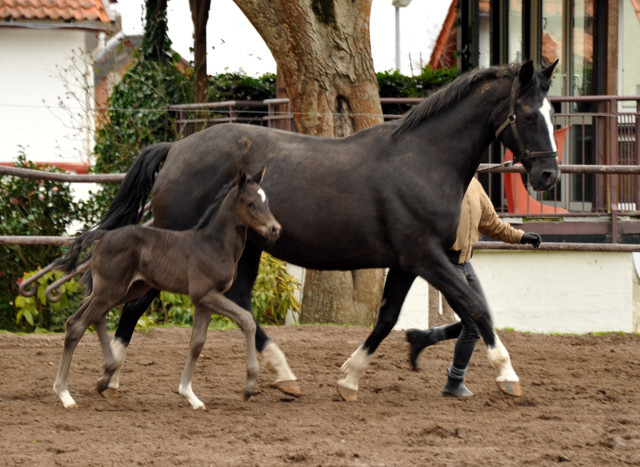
[
  {"x": 548, "y": 71},
  {"x": 260, "y": 175},
  {"x": 526, "y": 73}
]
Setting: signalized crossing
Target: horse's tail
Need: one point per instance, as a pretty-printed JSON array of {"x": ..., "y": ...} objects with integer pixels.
[
  {"x": 128, "y": 203},
  {"x": 69, "y": 261}
]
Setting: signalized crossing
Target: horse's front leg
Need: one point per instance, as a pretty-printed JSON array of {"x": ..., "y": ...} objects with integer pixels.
[
  {"x": 273, "y": 358},
  {"x": 471, "y": 306},
  {"x": 396, "y": 287},
  {"x": 201, "y": 318},
  {"x": 131, "y": 313}
]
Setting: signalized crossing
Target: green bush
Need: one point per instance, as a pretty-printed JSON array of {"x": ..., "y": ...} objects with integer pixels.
[
  {"x": 395, "y": 84},
  {"x": 29, "y": 310},
  {"x": 31, "y": 207}
]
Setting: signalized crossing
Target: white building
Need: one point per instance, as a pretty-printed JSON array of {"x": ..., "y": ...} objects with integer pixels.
[{"x": 46, "y": 78}]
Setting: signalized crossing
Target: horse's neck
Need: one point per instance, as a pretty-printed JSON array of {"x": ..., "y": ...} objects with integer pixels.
[{"x": 470, "y": 126}]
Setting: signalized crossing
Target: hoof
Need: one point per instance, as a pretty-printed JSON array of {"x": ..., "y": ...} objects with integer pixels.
[
  {"x": 109, "y": 393},
  {"x": 347, "y": 394},
  {"x": 73, "y": 405},
  {"x": 291, "y": 387},
  {"x": 202, "y": 408},
  {"x": 510, "y": 387}
]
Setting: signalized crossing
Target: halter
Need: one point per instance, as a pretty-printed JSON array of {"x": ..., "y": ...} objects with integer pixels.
[{"x": 510, "y": 121}]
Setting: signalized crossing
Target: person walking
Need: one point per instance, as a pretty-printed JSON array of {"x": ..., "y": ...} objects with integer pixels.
[{"x": 477, "y": 216}]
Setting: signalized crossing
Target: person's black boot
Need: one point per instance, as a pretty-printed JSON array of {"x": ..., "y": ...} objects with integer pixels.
[
  {"x": 455, "y": 386},
  {"x": 418, "y": 340}
]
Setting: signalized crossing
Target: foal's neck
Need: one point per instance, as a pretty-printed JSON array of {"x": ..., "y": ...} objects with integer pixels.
[{"x": 225, "y": 227}]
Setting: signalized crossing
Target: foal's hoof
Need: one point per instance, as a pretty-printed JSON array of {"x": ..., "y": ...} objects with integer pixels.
[
  {"x": 347, "y": 394},
  {"x": 109, "y": 393},
  {"x": 510, "y": 387},
  {"x": 290, "y": 387}
]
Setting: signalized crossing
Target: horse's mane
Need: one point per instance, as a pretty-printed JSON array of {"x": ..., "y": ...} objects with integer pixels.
[
  {"x": 215, "y": 205},
  {"x": 452, "y": 93}
]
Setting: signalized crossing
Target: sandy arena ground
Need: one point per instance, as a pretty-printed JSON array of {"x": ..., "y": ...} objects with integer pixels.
[{"x": 581, "y": 404}]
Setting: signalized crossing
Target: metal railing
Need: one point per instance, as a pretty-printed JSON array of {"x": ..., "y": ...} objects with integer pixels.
[
  {"x": 597, "y": 199},
  {"x": 598, "y": 196}
]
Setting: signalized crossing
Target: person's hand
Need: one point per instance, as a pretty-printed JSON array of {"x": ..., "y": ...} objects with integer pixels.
[{"x": 532, "y": 238}]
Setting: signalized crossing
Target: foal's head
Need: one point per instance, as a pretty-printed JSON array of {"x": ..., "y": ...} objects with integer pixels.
[{"x": 253, "y": 206}]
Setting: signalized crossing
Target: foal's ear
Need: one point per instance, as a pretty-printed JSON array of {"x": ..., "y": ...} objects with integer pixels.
[
  {"x": 241, "y": 178},
  {"x": 526, "y": 73},
  {"x": 260, "y": 175}
]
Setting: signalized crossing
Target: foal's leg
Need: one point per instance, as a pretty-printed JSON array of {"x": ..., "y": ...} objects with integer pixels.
[
  {"x": 396, "y": 287},
  {"x": 214, "y": 301},
  {"x": 90, "y": 312},
  {"x": 110, "y": 363},
  {"x": 74, "y": 331},
  {"x": 131, "y": 313},
  {"x": 273, "y": 358},
  {"x": 201, "y": 318}
]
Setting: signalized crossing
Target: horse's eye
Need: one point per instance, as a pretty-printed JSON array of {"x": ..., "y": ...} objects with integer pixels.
[
  {"x": 250, "y": 204},
  {"x": 530, "y": 116}
]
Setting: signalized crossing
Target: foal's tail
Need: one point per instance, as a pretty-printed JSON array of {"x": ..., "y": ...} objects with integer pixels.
[
  {"x": 128, "y": 204},
  {"x": 69, "y": 261}
]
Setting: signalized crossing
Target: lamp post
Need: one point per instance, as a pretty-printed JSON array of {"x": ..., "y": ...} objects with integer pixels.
[{"x": 398, "y": 4}]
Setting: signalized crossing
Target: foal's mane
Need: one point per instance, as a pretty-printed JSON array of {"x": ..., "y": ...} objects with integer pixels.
[
  {"x": 215, "y": 205},
  {"x": 451, "y": 94}
]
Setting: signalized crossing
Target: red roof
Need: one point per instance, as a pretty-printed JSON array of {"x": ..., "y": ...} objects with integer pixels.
[{"x": 61, "y": 10}]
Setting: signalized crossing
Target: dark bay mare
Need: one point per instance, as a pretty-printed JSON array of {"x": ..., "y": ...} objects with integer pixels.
[
  {"x": 385, "y": 197},
  {"x": 201, "y": 262}
]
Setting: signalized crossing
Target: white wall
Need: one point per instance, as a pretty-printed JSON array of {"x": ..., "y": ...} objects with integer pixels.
[
  {"x": 545, "y": 291},
  {"x": 548, "y": 291},
  {"x": 31, "y": 62}
]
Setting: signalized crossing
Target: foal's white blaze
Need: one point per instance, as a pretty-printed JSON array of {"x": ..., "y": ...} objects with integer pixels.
[
  {"x": 500, "y": 360},
  {"x": 545, "y": 110},
  {"x": 263, "y": 195},
  {"x": 275, "y": 362},
  {"x": 354, "y": 367}
]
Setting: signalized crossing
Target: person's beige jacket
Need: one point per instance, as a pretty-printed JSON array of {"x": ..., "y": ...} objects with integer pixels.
[{"x": 478, "y": 216}]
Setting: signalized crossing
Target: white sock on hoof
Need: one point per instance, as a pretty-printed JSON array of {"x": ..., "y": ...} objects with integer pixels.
[
  {"x": 354, "y": 367},
  {"x": 500, "y": 360},
  {"x": 275, "y": 361}
]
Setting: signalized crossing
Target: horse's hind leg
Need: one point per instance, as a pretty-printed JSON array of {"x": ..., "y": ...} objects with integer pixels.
[
  {"x": 110, "y": 363},
  {"x": 201, "y": 318},
  {"x": 396, "y": 287}
]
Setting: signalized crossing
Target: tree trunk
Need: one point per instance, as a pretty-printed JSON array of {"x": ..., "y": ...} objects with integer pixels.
[
  {"x": 323, "y": 52},
  {"x": 200, "y": 16},
  {"x": 154, "y": 41}
]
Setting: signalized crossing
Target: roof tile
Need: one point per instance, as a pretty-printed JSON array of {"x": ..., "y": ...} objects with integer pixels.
[{"x": 78, "y": 10}]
